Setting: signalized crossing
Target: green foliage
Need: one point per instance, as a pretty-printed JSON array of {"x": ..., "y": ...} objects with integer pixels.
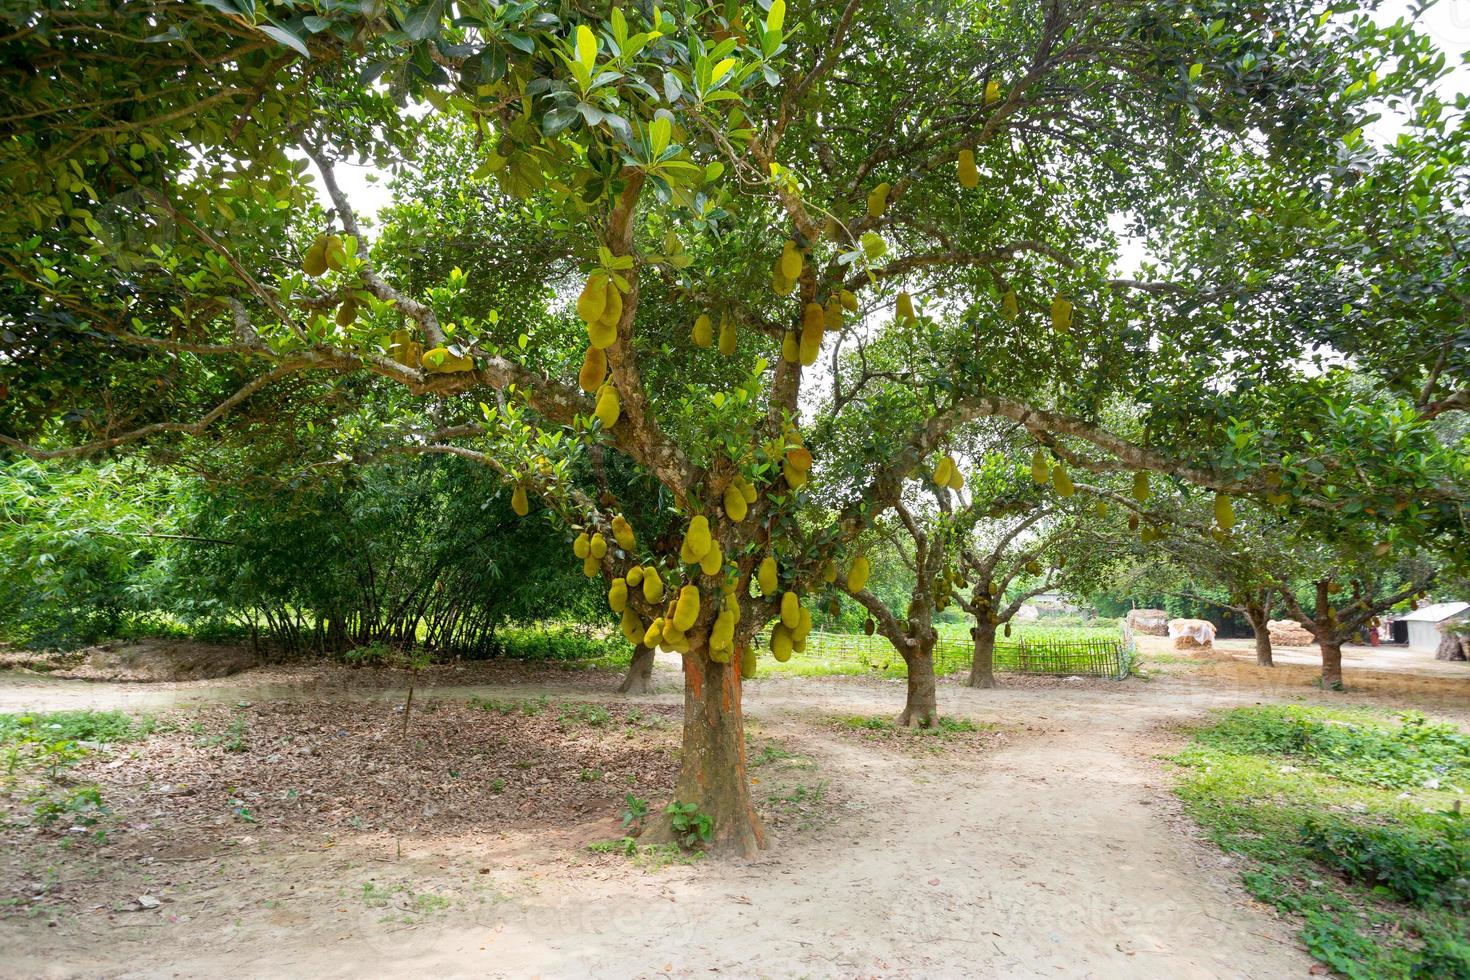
[
  {"x": 74, "y": 726},
  {"x": 635, "y": 811},
  {"x": 1341, "y": 822},
  {"x": 691, "y": 827}
]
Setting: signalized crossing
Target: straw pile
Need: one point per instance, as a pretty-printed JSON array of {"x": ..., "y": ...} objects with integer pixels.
[
  {"x": 1192, "y": 634},
  {"x": 1154, "y": 622},
  {"x": 1289, "y": 633}
]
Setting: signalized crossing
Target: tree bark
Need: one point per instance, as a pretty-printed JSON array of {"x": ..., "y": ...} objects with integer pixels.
[
  {"x": 712, "y": 770},
  {"x": 920, "y": 708},
  {"x": 640, "y": 672},
  {"x": 1257, "y": 616},
  {"x": 982, "y": 666},
  {"x": 1331, "y": 661}
]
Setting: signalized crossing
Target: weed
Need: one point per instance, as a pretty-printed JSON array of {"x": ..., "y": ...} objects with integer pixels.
[
  {"x": 591, "y": 775},
  {"x": 594, "y": 715},
  {"x": 497, "y": 785},
  {"x": 691, "y": 827},
  {"x": 635, "y": 811}
]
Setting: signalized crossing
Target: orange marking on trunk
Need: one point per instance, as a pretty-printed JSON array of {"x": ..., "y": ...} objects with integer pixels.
[{"x": 693, "y": 676}]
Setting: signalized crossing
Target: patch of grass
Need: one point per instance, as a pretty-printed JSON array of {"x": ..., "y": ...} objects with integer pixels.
[
  {"x": 585, "y": 713},
  {"x": 74, "y": 726},
  {"x": 801, "y": 794},
  {"x": 772, "y": 752},
  {"x": 1348, "y": 819},
  {"x": 649, "y": 857},
  {"x": 946, "y": 725}
]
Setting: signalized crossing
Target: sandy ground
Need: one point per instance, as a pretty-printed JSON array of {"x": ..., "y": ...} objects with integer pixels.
[
  {"x": 1394, "y": 659},
  {"x": 1060, "y": 853}
]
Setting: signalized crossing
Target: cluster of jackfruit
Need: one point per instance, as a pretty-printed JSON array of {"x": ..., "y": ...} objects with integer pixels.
[
  {"x": 739, "y": 495},
  {"x": 699, "y": 547},
  {"x": 947, "y": 473},
  {"x": 787, "y": 269},
  {"x": 790, "y": 632},
  {"x": 600, "y": 306},
  {"x": 703, "y": 334},
  {"x": 591, "y": 549},
  {"x": 326, "y": 252},
  {"x": 405, "y": 350},
  {"x": 796, "y": 460}
]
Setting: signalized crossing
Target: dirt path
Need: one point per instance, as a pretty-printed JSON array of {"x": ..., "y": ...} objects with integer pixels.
[{"x": 1060, "y": 854}]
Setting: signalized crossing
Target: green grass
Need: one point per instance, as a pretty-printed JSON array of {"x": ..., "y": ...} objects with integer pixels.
[
  {"x": 1349, "y": 820},
  {"x": 877, "y": 723},
  {"x": 74, "y": 726}
]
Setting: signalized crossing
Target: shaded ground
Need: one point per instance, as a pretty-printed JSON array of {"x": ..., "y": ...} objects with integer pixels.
[
  {"x": 144, "y": 660},
  {"x": 1045, "y": 844}
]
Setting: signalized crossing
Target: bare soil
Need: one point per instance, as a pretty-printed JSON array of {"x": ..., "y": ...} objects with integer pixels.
[
  {"x": 1045, "y": 844},
  {"x": 148, "y": 660}
]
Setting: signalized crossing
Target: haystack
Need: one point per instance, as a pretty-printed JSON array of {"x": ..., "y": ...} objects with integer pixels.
[
  {"x": 1289, "y": 633},
  {"x": 1154, "y": 622},
  {"x": 1192, "y": 634}
]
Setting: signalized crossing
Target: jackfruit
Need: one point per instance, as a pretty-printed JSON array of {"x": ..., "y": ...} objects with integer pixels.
[
  {"x": 704, "y": 331},
  {"x": 1140, "y": 486},
  {"x": 969, "y": 176},
  {"x": 314, "y": 260},
  {"x": 790, "y": 609},
  {"x": 727, "y": 335},
  {"x": 790, "y": 349},
  {"x": 878, "y": 200},
  {"x": 869, "y": 626},
  {"x": 347, "y": 312},
  {"x": 631, "y": 626},
  {"x": 1061, "y": 314},
  {"x": 1100, "y": 508},
  {"x": 654, "y": 635},
  {"x": 713, "y": 560},
  {"x": 992, "y": 93},
  {"x": 943, "y": 470},
  {"x": 1060, "y": 481},
  {"x": 848, "y": 300},
  {"x": 518, "y": 501},
  {"x": 601, "y": 335},
  {"x": 1008, "y": 629},
  {"x": 722, "y": 637},
  {"x": 1009, "y": 307},
  {"x": 617, "y": 595},
  {"x": 803, "y": 624},
  {"x": 335, "y": 253},
  {"x": 1040, "y": 471},
  {"x": 748, "y": 664},
  {"x": 594, "y": 369},
  {"x": 956, "y": 478},
  {"x": 635, "y": 575},
  {"x": 686, "y": 610},
  {"x": 813, "y": 323},
  {"x": 735, "y": 504},
  {"x": 747, "y": 489},
  {"x": 653, "y": 586},
  {"x": 1224, "y": 512},
  {"x": 858, "y": 572},
  {"x": 593, "y": 299},
  {"x": 591, "y": 566},
  {"x": 597, "y": 547},
  {"x": 904, "y": 307},
  {"x": 623, "y": 533},
  {"x": 609, "y": 407},
  {"x": 791, "y": 261},
  {"x": 781, "y": 643},
  {"x": 439, "y": 360},
  {"x": 1133, "y": 522},
  {"x": 765, "y": 576},
  {"x": 829, "y": 571},
  {"x": 582, "y": 546},
  {"x": 780, "y": 285},
  {"x": 799, "y": 457},
  {"x": 697, "y": 537}
]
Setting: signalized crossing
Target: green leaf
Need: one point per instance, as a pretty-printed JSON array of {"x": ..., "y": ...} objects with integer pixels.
[
  {"x": 659, "y": 132},
  {"x": 586, "y": 47},
  {"x": 777, "y": 16}
]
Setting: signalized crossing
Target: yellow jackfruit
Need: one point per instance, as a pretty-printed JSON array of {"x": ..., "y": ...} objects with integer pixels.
[
  {"x": 781, "y": 642},
  {"x": 943, "y": 471},
  {"x": 791, "y": 261},
  {"x": 653, "y": 585},
  {"x": 904, "y": 307},
  {"x": 591, "y": 566},
  {"x": 858, "y": 572},
  {"x": 1140, "y": 486},
  {"x": 713, "y": 560},
  {"x": 1061, "y": 314},
  {"x": 780, "y": 285},
  {"x": 314, "y": 260},
  {"x": 992, "y": 93},
  {"x": 697, "y": 537},
  {"x": 704, "y": 331},
  {"x": 1224, "y": 512},
  {"x": 654, "y": 635},
  {"x": 727, "y": 335},
  {"x": 623, "y": 533},
  {"x": 878, "y": 200},
  {"x": 593, "y": 299},
  {"x": 1060, "y": 481},
  {"x": 747, "y": 489},
  {"x": 765, "y": 577},
  {"x": 631, "y": 626},
  {"x": 1040, "y": 471},
  {"x": 601, "y": 335},
  {"x": 803, "y": 624},
  {"x": 832, "y": 313},
  {"x": 829, "y": 571},
  {"x": 608, "y": 407},
  {"x": 735, "y": 503},
  {"x": 748, "y": 664},
  {"x": 790, "y": 349},
  {"x": 722, "y": 637},
  {"x": 582, "y": 546},
  {"x": 848, "y": 299},
  {"x": 790, "y": 609},
  {"x": 795, "y": 478},
  {"x": 969, "y": 176},
  {"x": 1009, "y": 307},
  {"x": 347, "y": 312},
  {"x": 813, "y": 323},
  {"x": 956, "y": 478},
  {"x": 617, "y": 595},
  {"x": 635, "y": 575},
  {"x": 594, "y": 369},
  {"x": 597, "y": 546},
  {"x": 335, "y": 253},
  {"x": 686, "y": 610},
  {"x": 518, "y": 501},
  {"x": 439, "y": 360}
]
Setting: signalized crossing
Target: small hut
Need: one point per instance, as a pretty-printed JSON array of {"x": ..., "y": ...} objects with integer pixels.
[{"x": 1427, "y": 624}]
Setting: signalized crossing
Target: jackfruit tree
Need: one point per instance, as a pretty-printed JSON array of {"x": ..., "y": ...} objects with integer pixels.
[{"x": 709, "y": 202}]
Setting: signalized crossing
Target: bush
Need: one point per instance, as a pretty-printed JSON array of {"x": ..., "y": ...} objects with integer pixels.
[{"x": 1427, "y": 865}]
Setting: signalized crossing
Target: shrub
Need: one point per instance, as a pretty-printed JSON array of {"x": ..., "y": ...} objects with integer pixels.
[{"x": 1426, "y": 865}]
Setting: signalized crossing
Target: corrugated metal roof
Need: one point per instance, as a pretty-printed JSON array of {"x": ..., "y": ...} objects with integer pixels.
[{"x": 1436, "y": 613}]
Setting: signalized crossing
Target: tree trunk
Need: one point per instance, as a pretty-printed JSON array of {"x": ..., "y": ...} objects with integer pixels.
[
  {"x": 712, "y": 771},
  {"x": 1331, "y": 662},
  {"x": 982, "y": 666},
  {"x": 640, "y": 672},
  {"x": 1257, "y": 616},
  {"x": 920, "y": 708},
  {"x": 1451, "y": 647}
]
